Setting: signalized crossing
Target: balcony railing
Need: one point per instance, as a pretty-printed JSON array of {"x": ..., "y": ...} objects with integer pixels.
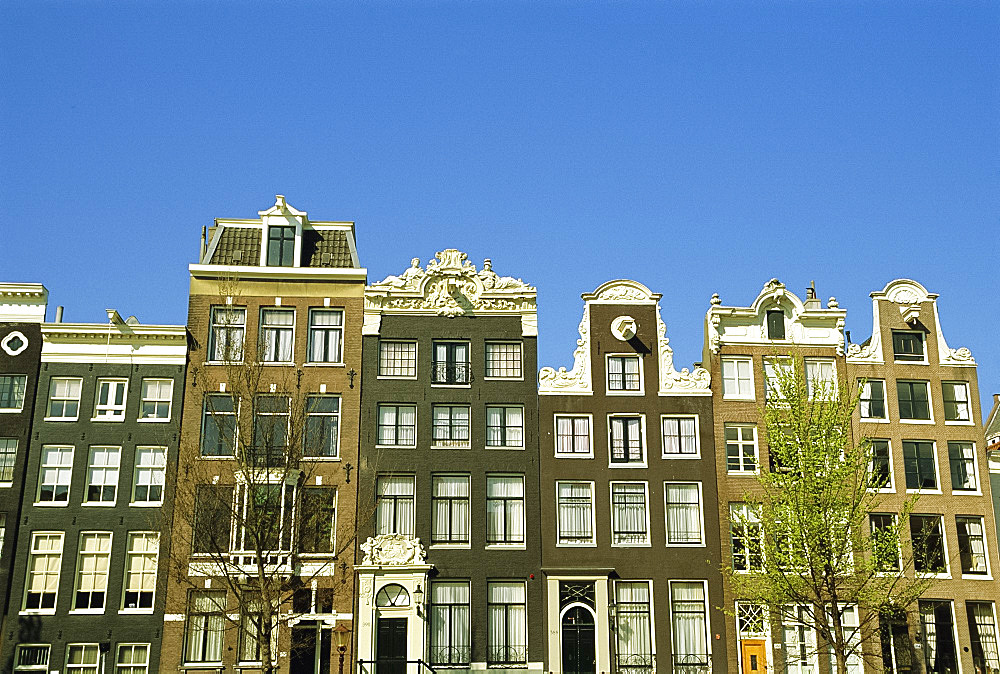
[
  {"x": 507, "y": 656},
  {"x": 634, "y": 663},
  {"x": 450, "y": 372},
  {"x": 693, "y": 663},
  {"x": 450, "y": 656}
]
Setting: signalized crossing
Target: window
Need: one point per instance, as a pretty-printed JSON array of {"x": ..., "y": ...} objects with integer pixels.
[
  {"x": 852, "y": 634},
  {"x": 318, "y": 520},
  {"x": 920, "y": 464},
  {"x": 573, "y": 436},
  {"x": 264, "y": 517},
  {"x": 397, "y": 359},
  {"x": 623, "y": 373},
  {"x": 971, "y": 545},
  {"x": 394, "y": 505},
  {"x": 872, "y": 403},
  {"x": 503, "y": 360},
  {"x": 626, "y": 440},
  {"x": 633, "y": 627},
  {"x": 280, "y": 246},
  {"x": 322, "y": 427},
  {"x": 450, "y": 509},
  {"x": 326, "y": 335},
  {"x": 54, "y": 475},
  {"x": 132, "y": 659},
  {"x": 83, "y": 658},
  {"x": 885, "y": 541},
  {"x": 12, "y": 392},
  {"x": 150, "y": 475},
  {"x": 751, "y": 620},
  {"x": 914, "y": 401},
  {"x": 64, "y": 398},
  {"x": 956, "y": 401},
  {"x": 92, "y": 571},
  {"x": 213, "y": 512},
  {"x": 206, "y": 624},
  {"x": 251, "y": 623},
  {"x": 44, "y": 562},
  {"x": 683, "y": 513},
  {"x": 504, "y": 510},
  {"x": 690, "y": 628},
  {"x": 775, "y": 324},
  {"x": 737, "y": 378},
  {"x": 778, "y": 377},
  {"x": 799, "y": 640},
  {"x": 218, "y": 425},
  {"x": 680, "y": 437},
  {"x": 983, "y": 636},
  {"x": 881, "y": 477},
  {"x": 270, "y": 432},
  {"x": 504, "y": 426},
  {"x": 156, "y": 397},
  {"x": 140, "y": 571},
  {"x": 3, "y": 531},
  {"x": 962, "y": 457},
  {"x": 821, "y": 378},
  {"x": 397, "y": 425},
  {"x": 451, "y": 363},
  {"x": 507, "y": 638},
  {"x": 450, "y": 633},
  {"x": 32, "y": 658},
  {"x": 8, "y": 455},
  {"x": 927, "y": 537},
  {"x": 741, "y": 448},
  {"x": 747, "y": 538},
  {"x": 575, "y": 502},
  {"x": 226, "y": 338},
  {"x": 110, "y": 399},
  {"x": 102, "y": 475},
  {"x": 908, "y": 346},
  {"x": 451, "y": 425},
  {"x": 629, "y": 515},
  {"x": 937, "y": 626},
  {"x": 277, "y": 332}
]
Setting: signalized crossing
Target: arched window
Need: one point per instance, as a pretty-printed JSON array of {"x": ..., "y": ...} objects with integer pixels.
[{"x": 392, "y": 595}]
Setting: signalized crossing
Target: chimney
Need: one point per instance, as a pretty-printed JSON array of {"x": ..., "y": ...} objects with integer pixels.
[
  {"x": 201, "y": 256},
  {"x": 811, "y": 301},
  {"x": 59, "y": 312}
]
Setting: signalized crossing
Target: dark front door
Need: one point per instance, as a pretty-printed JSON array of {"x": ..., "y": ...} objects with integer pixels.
[
  {"x": 578, "y": 654},
  {"x": 390, "y": 646}
]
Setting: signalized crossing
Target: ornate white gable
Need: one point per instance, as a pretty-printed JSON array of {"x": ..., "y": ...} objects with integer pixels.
[{"x": 393, "y": 550}]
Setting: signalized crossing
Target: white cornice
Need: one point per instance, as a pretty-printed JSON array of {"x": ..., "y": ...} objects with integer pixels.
[
  {"x": 23, "y": 302},
  {"x": 278, "y": 273},
  {"x": 106, "y": 343}
]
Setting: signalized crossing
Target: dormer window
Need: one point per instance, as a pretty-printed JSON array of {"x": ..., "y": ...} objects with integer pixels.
[
  {"x": 280, "y": 246},
  {"x": 775, "y": 324},
  {"x": 908, "y": 346}
]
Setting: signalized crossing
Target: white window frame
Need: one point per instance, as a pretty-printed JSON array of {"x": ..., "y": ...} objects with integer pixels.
[
  {"x": 412, "y": 480},
  {"x": 143, "y": 470},
  {"x": 624, "y": 391},
  {"x": 590, "y": 436},
  {"x": 520, "y": 356},
  {"x": 92, "y": 668},
  {"x": 397, "y": 444},
  {"x": 899, "y": 544},
  {"x": 467, "y": 478},
  {"x": 773, "y": 368},
  {"x": 701, "y": 515},
  {"x": 906, "y": 361},
  {"x": 937, "y": 469},
  {"x": 24, "y": 392},
  {"x": 244, "y": 494},
  {"x": 313, "y": 329},
  {"x": 131, "y": 667},
  {"x": 451, "y": 443},
  {"x": 263, "y": 345},
  {"x": 133, "y": 555},
  {"x": 3, "y": 531},
  {"x": 155, "y": 401},
  {"x": 578, "y": 543},
  {"x": 82, "y": 572},
  {"x": 884, "y": 419},
  {"x": 615, "y": 618},
  {"x": 33, "y": 668},
  {"x": 63, "y": 472},
  {"x": 734, "y": 362},
  {"x": 968, "y": 404},
  {"x": 705, "y": 615},
  {"x": 416, "y": 350},
  {"x": 333, "y": 521},
  {"x": 59, "y": 536},
  {"x": 646, "y": 508},
  {"x": 104, "y": 469},
  {"x": 310, "y": 413},
  {"x": 64, "y": 398},
  {"x": 971, "y": 575},
  {"x": 944, "y": 548},
  {"x": 812, "y": 364},
  {"x": 228, "y": 329},
  {"x": 510, "y": 532},
  {"x": 930, "y": 402},
  {"x": 642, "y": 463},
  {"x": 809, "y": 640},
  {"x": 110, "y": 411},
  {"x": 890, "y": 487},
  {"x": 697, "y": 437},
  {"x": 505, "y": 427},
  {"x": 756, "y": 448},
  {"x": 978, "y": 491},
  {"x": 8, "y": 459},
  {"x": 749, "y": 518}
]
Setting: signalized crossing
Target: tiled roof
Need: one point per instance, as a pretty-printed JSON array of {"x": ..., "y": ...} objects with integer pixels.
[
  {"x": 322, "y": 248},
  {"x": 993, "y": 421},
  {"x": 239, "y": 246}
]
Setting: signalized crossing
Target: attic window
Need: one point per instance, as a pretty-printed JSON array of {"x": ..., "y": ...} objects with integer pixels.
[
  {"x": 776, "y": 324},
  {"x": 280, "y": 246}
]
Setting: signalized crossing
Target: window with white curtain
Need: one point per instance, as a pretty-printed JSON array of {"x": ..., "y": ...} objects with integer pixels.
[
  {"x": 983, "y": 635},
  {"x": 573, "y": 436},
  {"x": 971, "y": 545},
  {"x": 394, "y": 505},
  {"x": 507, "y": 637},
  {"x": 821, "y": 378},
  {"x": 397, "y": 359},
  {"x": 504, "y": 426},
  {"x": 680, "y": 437},
  {"x": 206, "y": 624},
  {"x": 450, "y": 636},
  {"x": 397, "y": 425},
  {"x": 450, "y": 509},
  {"x": 633, "y": 627},
  {"x": 54, "y": 475},
  {"x": 326, "y": 333},
  {"x": 737, "y": 378},
  {"x": 149, "y": 476},
  {"x": 64, "y": 398},
  {"x": 775, "y": 371},
  {"x": 956, "y": 400},
  {"x": 849, "y": 619},
  {"x": 624, "y": 373},
  {"x": 157, "y": 395},
  {"x": 505, "y": 510},
  {"x": 44, "y": 562},
  {"x": 629, "y": 514},
  {"x": 747, "y": 537},
  {"x": 92, "y": 562},
  {"x": 83, "y": 658},
  {"x": 872, "y": 402},
  {"x": 132, "y": 659},
  {"x": 226, "y": 334},
  {"x": 140, "y": 571},
  {"x": 683, "y": 513},
  {"x": 689, "y": 636},
  {"x": 798, "y": 640},
  {"x": 575, "y": 513},
  {"x": 937, "y": 623},
  {"x": 102, "y": 475},
  {"x": 277, "y": 330},
  {"x": 503, "y": 360},
  {"x": 450, "y": 426},
  {"x": 626, "y": 440}
]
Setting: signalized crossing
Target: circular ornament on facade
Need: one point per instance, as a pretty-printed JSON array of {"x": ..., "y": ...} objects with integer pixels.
[
  {"x": 392, "y": 595},
  {"x": 14, "y": 343},
  {"x": 623, "y": 328}
]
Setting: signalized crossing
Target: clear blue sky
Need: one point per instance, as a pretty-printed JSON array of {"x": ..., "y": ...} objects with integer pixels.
[{"x": 697, "y": 147}]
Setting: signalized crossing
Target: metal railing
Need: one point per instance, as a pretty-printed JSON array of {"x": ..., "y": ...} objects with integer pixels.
[
  {"x": 394, "y": 666},
  {"x": 445, "y": 372}
]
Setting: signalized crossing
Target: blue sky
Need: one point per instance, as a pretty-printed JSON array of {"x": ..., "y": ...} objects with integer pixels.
[{"x": 697, "y": 147}]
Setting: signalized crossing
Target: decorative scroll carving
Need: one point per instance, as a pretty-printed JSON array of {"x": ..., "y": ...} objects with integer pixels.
[
  {"x": 671, "y": 379},
  {"x": 577, "y": 379},
  {"x": 960, "y": 354},
  {"x": 393, "y": 550},
  {"x": 622, "y": 293}
]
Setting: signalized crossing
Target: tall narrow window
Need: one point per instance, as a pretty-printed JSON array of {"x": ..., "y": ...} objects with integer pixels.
[
  {"x": 507, "y": 624},
  {"x": 821, "y": 378},
  {"x": 322, "y": 427},
  {"x": 747, "y": 538},
  {"x": 64, "y": 398},
  {"x": 270, "y": 432},
  {"x": 318, "y": 520},
  {"x": 8, "y": 454},
  {"x": 451, "y": 426},
  {"x": 626, "y": 439},
  {"x": 277, "y": 333},
  {"x": 110, "y": 404},
  {"x": 54, "y": 475},
  {"x": 690, "y": 631},
  {"x": 971, "y": 545},
  {"x": 156, "y": 397},
  {"x": 908, "y": 346},
  {"x": 280, "y": 246},
  {"x": 150, "y": 475},
  {"x": 775, "y": 324},
  {"x": 451, "y": 363},
  {"x": 927, "y": 537},
  {"x": 503, "y": 360},
  {"x": 623, "y": 373},
  {"x": 394, "y": 505},
  {"x": 881, "y": 477},
  {"x": 956, "y": 401},
  {"x": 680, "y": 437},
  {"x": 44, "y": 562},
  {"x": 573, "y": 436},
  {"x": 83, "y": 658},
  {"x": 12, "y": 392},
  {"x": 633, "y": 627},
  {"x": 962, "y": 458},
  {"x": 914, "y": 402},
  {"x": 505, "y": 510},
  {"x": 326, "y": 335},
  {"x": 132, "y": 659},
  {"x": 741, "y": 448},
  {"x": 575, "y": 513},
  {"x": 450, "y": 509},
  {"x": 251, "y": 623},
  {"x": 3, "y": 532},
  {"x": 140, "y": 571},
  {"x": 683, "y": 513},
  {"x": 264, "y": 517},
  {"x": 397, "y": 425},
  {"x": 92, "y": 571},
  {"x": 629, "y": 514},
  {"x": 937, "y": 626},
  {"x": 397, "y": 359},
  {"x": 504, "y": 426},
  {"x": 450, "y": 633},
  {"x": 799, "y": 640},
  {"x": 206, "y": 624},
  {"x": 218, "y": 426},
  {"x": 102, "y": 475},
  {"x": 777, "y": 377},
  {"x": 213, "y": 516},
  {"x": 737, "y": 378},
  {"x": 225, "y": 342},
  {"x": 885, "y": 541},
  {"x": 983, "y": 636},
  {"x": 919, "y": 463},
  {"x": 872, "y": 403}
]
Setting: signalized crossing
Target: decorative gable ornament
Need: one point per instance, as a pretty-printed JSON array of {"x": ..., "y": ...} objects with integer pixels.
[{"x": 393, "y": 550}]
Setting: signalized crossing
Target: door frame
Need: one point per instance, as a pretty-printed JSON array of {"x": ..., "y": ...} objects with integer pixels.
[{"x": 562, "y": 616}]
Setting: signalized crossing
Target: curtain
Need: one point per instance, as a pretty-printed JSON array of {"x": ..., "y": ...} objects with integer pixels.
[
  {"x": 324, "y": 345},
  {"x": 633, "y": 625},
  {"x": 505, "y": 509},
  {"x": 450, "y": 633},
  {"x": 507, "y": 622},
  {"x": 575, "y": 511},
  {"x": 205, "y": 626},
  {"x": 394, "y": 512},
  {"x": 981, "y": 619},
  {"x": 629, "y": 513},
  {"x": 683, "y": 513},
  {"x": 688, "y": 610},
  {"x": 451, "y": 508}
]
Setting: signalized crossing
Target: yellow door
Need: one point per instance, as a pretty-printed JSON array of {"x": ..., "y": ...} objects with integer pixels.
[{"x": 754, "y": 656}]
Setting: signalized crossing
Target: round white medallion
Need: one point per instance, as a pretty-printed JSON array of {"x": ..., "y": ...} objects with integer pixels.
[
  {"x": 623, "y": 328},
  {"x": 14, "y": 343}
]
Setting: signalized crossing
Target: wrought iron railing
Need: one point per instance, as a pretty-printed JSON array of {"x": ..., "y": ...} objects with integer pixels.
[
  {"x": 450, "y": 656},
  {"x": 693, "y": 663},
  {"x": 634, "y": 663},
  {"x": 515, "y": 655},
  {"x": 394, "y": 665},
  {"x": 445, "y": 372}
]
